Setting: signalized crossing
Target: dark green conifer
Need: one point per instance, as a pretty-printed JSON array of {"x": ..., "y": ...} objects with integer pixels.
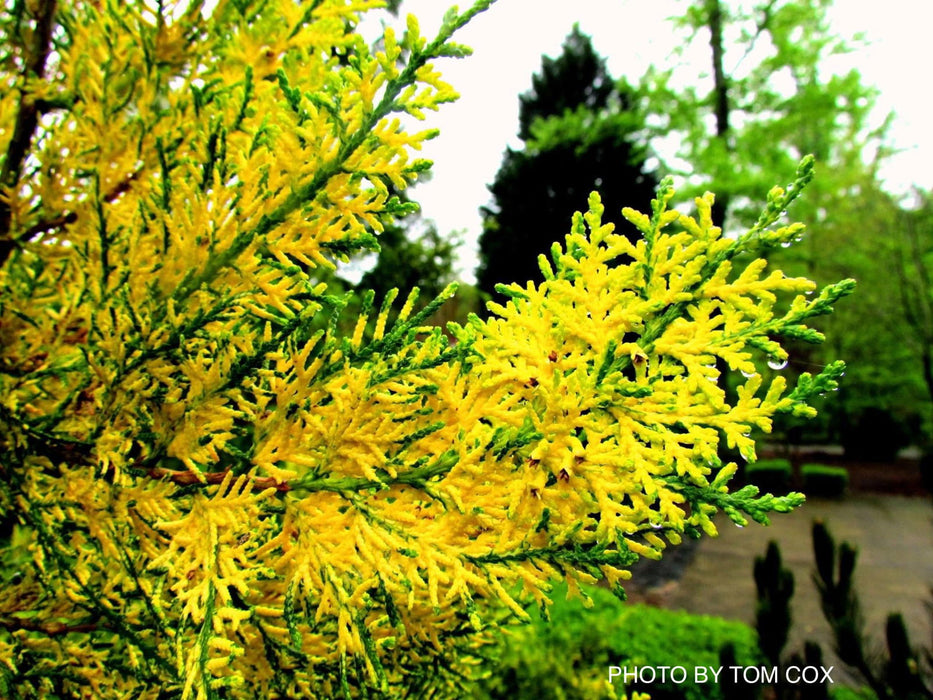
[{"x": 579, "y": 130}]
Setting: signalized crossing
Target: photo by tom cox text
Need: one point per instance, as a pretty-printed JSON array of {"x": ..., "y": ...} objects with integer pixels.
[{"x": 793, "y": 675}]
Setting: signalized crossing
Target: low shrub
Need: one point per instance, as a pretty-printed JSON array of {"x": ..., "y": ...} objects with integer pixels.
[
  {"x": 769, "y": 475},
  {"x": 824, "y": 481},
  {"x": 569, "y": 657}
]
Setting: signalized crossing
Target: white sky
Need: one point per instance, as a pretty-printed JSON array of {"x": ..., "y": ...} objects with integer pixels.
[{"x": 509, "y": 39}]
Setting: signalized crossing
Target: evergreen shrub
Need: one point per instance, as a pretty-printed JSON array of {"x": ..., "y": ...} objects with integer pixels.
[
  {"x": 842, "y": 692},
  {"x": 207, "y": 489}
]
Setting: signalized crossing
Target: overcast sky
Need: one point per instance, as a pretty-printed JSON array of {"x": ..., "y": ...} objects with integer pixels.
[{"x": 509, "y": 39}]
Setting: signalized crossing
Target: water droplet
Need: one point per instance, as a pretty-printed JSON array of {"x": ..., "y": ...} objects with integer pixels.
[
  {"x": 777, "y": 364},
  {"x": 739, "y": 525},
  {"x": 786, "y": 244},
  {"x": 749, "y": 375},
  {"x": 656, "y": 526}
]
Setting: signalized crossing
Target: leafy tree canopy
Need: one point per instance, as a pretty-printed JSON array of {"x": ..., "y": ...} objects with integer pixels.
[{"x": 765, "y": 99}]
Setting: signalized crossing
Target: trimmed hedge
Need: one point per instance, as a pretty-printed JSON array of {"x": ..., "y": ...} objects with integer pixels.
[
  {"x": 769, "y": 475},
  {"x": 823, "y": 480},
  {"x": 569, "y": 657}
]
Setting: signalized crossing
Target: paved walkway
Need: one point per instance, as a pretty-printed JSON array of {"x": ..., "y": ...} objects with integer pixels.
[{"x": 894, "y": 535}]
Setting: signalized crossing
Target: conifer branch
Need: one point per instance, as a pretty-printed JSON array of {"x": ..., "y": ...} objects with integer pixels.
[
  {"x": 94, "y": 606},
  {"x": 260, "y": 483},
  {"x": 205, "y": 474}
]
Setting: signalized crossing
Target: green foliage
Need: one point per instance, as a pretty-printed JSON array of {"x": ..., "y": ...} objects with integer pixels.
[
  {"x": 554, "y": 90},
  {"x": 887, "y": 337},
  {"x": 885, "y": 402},
  {"x": 568, "y": 657},
  {"x": 411, "y": 255},
  {"x": 842, "y": 692},
  {"x": 218, "y": 492},
  {"x": 823, "y": 480},
  {"x": 775, "y": 464}
]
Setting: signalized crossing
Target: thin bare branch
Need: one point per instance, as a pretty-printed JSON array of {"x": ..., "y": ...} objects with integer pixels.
[{"x": 27, "y": 118}]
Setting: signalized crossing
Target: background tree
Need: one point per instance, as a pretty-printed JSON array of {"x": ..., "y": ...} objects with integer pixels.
[
  {"x": 411, "y": 253},
  {"x": 883, "y": 242},
  {"x": 765, "y": 99},
  {"x": 580, "y": 134},
  {"x": 912, "y": 264},
  {"x": 409, "y": 257},
  {"x": 767, "y": 96},
  {"x": 887, "y": 243}
]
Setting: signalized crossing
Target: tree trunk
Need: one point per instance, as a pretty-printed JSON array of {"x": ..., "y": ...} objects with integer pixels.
[{"x": 720, "y": 97}]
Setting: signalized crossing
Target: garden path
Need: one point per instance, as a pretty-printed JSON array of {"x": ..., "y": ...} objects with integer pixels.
[{"x": 894, "y": 535}]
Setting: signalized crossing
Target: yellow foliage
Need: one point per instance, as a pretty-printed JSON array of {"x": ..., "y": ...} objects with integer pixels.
[{"x": 217, "y": 490}]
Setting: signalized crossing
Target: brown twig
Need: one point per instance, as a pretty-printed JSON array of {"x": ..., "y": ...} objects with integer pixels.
[
  {"x": 47, "y": 225},
  {"x": 27, "y": 117},
  {"x": 70, "y": 217},
  {"x": 212, "y": 478},
  {"x": 52, "y": 629}
]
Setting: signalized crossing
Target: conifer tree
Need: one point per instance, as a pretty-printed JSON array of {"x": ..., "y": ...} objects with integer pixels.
[
  {"x": 411, "y": 254},
  {"x": 207, "y": 489},
  {"x": 578, "y": 128}
]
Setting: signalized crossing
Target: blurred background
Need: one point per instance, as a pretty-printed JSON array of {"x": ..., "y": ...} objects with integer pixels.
[{"x": 561, "y": 98}]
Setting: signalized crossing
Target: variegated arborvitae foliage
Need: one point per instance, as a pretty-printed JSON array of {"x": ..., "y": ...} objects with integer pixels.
[{"x": 206, "y": 489}]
